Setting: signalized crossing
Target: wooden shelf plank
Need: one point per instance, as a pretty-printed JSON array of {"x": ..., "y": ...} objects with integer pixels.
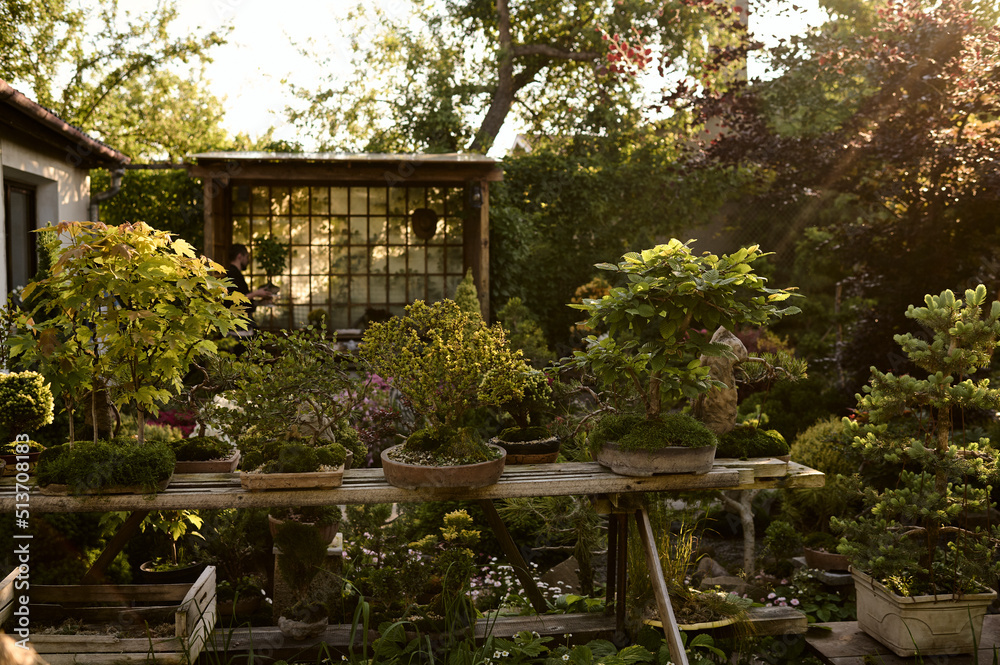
[{"x": 222, "y": 490}]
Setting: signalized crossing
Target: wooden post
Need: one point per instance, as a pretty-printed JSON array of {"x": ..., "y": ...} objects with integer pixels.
[
  {"x": 513, "y": 554},
  {"x": 128, "y": 529},
  {"x": 673, "y": 635}
]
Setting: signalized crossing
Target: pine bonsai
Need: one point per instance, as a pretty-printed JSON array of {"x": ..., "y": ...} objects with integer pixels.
[{"x": 914, "y": 536}]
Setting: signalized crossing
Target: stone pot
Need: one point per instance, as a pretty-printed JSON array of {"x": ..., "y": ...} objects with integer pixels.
[
  {"x": 823, "y": 560},
  {"x": 466, "y": 476},
  {"x": 928, "y": 625},
  {"x": 302, "y": 630},
  {"x": 650, "y": 462},
  {"x": 539, "y": 451}
]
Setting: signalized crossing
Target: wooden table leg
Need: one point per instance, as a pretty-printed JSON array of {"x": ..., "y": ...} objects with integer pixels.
[
  {"x": 128, "y": 529},
  {"x": 621, "y": 578},
  {"x": 609, "y": 591},
  {"x": 673, "y": 635},
  {"x": 513, "y": 554}
]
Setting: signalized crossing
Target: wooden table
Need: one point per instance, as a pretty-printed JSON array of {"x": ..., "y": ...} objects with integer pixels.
[{"x": 364, "y": 486}]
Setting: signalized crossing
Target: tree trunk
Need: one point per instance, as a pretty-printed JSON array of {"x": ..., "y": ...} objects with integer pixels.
[{"x": 503, "y": 97}]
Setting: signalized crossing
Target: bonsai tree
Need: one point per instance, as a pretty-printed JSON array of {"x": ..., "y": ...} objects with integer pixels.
[
  {"x": 293, "y": 386},
  {"x": 660, "y": 317},
  {"x": 446, "y": 362},
  {"x": 133, "y": 304},
  {"x": 272, "y": 255},
  {"x": 25, "y": 403},
  {"x": 529, "y": 411},
  {"x": 914, "y": 537}
]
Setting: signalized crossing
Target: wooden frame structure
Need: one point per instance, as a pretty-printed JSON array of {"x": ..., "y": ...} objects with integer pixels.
[{"x": 228, "y": 175}]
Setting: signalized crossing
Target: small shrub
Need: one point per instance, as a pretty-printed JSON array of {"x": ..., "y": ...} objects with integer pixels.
[
  {"x": 96, "y": 465},
  {"x": 637, "y": 433},
  {"x": 200, "y": 449},
  {"x": 749, "y": 441}
]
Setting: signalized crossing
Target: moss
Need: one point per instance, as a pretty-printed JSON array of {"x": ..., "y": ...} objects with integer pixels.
[
  {"x": 13, "y": 447},
  {"x": 749, "y": 441},
  {"x": 674, "y": 430},
  {"x": 88, "y": 466},
  {"x": 294, "y": 457},
  {"x": 302, "y": 553},
  {"x": 201, "y": 448},
  {"x": 518, "y": 435},
  {"x": 461, "y": 443},
  {"x": 346, "y": 435}
]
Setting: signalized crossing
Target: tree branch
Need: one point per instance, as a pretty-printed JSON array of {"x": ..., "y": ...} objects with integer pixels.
[{"x": 553, "y": 52}]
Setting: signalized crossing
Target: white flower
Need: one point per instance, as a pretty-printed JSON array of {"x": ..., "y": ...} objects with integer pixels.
[{"x": 565, "y": 656}]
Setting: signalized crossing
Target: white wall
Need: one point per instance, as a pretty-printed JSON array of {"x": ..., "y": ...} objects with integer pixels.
[{"x": 62, "y": 190}]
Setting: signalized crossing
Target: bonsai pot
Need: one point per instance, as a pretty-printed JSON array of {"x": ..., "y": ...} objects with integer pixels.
[
  {"x": 466, "y": 476},
  {"x": 821, "y": 559},
  {"x": 225, "y": 465},
  {"x": 241, "y": 607},
  {"x": 929, "y": 625},
  {"x": 184, "y": 574},
  {"x": 9, "y": 468},
  {"x": 322, "y": 480},
  {"x": 538, "y": 451},
  {"x": 663, "y": 460}
]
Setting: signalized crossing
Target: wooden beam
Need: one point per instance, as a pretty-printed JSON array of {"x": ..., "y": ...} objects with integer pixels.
[
  {"x": 513, "y": 554},
  {"x": 389, "y": 174},
  {"x": 673, "y": 635},
  {"x": 128, "y": 529}
]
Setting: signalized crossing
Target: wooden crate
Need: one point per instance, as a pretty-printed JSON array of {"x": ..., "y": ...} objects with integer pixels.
[{"x": 191, "y": 608}]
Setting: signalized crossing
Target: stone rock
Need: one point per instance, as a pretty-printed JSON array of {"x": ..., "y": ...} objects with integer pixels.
[
  {"x": 709, "y": 567},
  {"x": 717, "y": 408},
  {"x": 565, "y": 575},
  {"x": 725, "y": 582}
]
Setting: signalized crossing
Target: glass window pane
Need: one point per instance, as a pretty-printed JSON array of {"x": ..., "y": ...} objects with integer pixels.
[
  {"x": 338, "y": 200},
  {"x": 455, "y": 201},
  {"x": 320, "y": 200},
  {"x": 338, "y": 289},
  {"x": 338, "y": 231},
  {"x": 435, "y": 288},
  {"x": 359, "y": 201},
  {"x": 376, "y": 230},
  {"x": 300, "y": 289},
  {"x": 454, "y": 229},
  {"x": 417, "y": 259},
  {"x": 418, "y": 287},
  {"x": 377, "y": 201},
  {"x": 320, "y": 260},
  {"x": 377, "y": 289},
  {"x": 241, "y": 200},
  {"x": 260, "y": 201},
  {"x": 338, "y": 260},
  {"x": 438, "y": 237},
  {"x": 300, "y": 261},
  {"x": 435, "y": 199},
  {"x": 455, "y": 260},
  {"x": 397, "y": 201},
  {"x": 418, "y": 198},
  {"x": 300, "y": 200},
  {"x": 280, "y": 197},
  {"x": 320, "y": 288},
  {"x": 300, "y": 230},
  {"x": 359, "y": 230},
  {"x": 397, "y": 230},
  {"x": 453, "y": 281},
  {"x": 359, "y": 260},
  {"x": 379, "y": 260},
  {"x": 279, "y": 227},
  {"x": 359, "y": 290},
  {"x": 397, "y": 260},
  {"x": 435, "y": 260},
  {"x": 241, "y": 230},
  {"x": 301, "y": 316},
  {"x": 397, "y": 290}
]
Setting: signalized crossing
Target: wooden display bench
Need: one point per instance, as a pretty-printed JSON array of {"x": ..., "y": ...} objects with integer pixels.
[
  {"x": 843, "y": 643},
  {"x": 368, "y": 486}
]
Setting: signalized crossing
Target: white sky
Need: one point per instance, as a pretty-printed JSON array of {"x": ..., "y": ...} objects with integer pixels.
[{"x": 250, "y": 69}]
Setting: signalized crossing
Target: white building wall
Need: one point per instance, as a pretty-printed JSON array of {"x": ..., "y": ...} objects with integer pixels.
[{"x": 62, "y": 190}]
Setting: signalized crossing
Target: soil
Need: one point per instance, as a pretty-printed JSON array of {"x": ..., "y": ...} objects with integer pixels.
[{"x": 76, "y": 627}]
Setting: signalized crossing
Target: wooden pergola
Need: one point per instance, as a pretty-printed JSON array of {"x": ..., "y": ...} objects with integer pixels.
[{"x": 367, "y": 233}]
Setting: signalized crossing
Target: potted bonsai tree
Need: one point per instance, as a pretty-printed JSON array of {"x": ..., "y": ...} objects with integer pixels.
[
  {"x": 923, "y": 574},
  {"x": 528, "y": 441},
  {"x": 25, "y": 405},
  {"x": 659, "y": 320},
  {"x": 446, "y": 362},
  {"x": 272, "y": 255},
  {"x": 133, "y": 306}
]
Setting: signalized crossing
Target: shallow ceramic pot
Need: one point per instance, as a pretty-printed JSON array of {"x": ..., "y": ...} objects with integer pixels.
[
  {"x": 226, "y": 465},
  {"x": 539, "y": 451},
  {"x": 182, "y": 575},
  {"x": 928, "y": 625},
  {"x": 326, "y": 531},
  {"x": 823, "y": 560},
  {"x": 466, "y": 476},
  {"x": 650, "y": 462}
]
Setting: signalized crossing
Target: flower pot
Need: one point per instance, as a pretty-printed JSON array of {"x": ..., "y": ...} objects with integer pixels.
[
  {"x": 243, "y": 606},
  {"x": 649, "y": 462},
  {"x": 538, "y": 451},
  {"x": 466, "y": 476},
  {"x": 326, "y": 531},
  {"x": 225, "y": 465},
  {"x": 9, "y": 468},
  {"x": 184, "y": 574},
  {"x": 823, "y": 560},
  {"x": 929, "y": 625}
]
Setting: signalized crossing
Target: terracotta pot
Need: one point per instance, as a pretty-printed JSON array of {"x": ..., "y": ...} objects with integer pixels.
[
  {"x": 539, "y": 451},
  {"x": 466, "y": 476},
  {"x": 929, "y": 625},
  {"x": 649, "y": 462},
  {"x": 823, "y": 560}
]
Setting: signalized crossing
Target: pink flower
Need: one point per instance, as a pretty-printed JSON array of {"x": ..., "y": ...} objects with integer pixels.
[{"x": 795, "y": 602}]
